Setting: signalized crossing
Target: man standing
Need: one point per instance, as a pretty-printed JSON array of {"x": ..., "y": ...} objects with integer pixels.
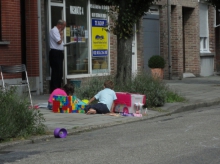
[{"x": 56, "y": 55}]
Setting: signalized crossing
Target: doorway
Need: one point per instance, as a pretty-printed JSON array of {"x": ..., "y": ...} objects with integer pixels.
[
  {"x": 55, "y": 13},
  {"x": 23, "y": 34},
  {"x": 151, "y": 32},
  {"x": 187, "y": 27}
]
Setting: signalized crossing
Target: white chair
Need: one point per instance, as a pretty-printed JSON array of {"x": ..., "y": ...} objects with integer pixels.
[{"x": 13, "y": 69}]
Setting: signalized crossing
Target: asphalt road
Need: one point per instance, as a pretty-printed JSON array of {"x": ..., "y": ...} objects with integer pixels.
[{"x": 183, "y": 138}]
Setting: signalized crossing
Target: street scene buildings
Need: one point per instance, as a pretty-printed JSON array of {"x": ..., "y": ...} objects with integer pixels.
[{"x": 184, "y": 32}]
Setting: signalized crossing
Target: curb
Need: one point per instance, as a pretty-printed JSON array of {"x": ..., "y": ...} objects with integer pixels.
[
  {"x": 169, "y": 111},
  {"x": 193, "y": 106}
]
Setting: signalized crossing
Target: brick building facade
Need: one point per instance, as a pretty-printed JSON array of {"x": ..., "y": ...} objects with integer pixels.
[
  {"x": 24, "y": 39},
  {"x": 185, "y": 37},
  {"x": 19, "y": 37}
]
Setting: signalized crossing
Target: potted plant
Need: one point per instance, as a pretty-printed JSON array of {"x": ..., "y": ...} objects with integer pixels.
[{"x": 157, "y": 64}]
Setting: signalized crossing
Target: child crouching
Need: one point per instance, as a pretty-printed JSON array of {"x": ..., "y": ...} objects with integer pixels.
[
  {"x": 105, "y": 97},
  {"x": 67, "y": 90}
]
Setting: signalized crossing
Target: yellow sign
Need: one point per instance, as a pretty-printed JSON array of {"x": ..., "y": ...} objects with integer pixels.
[
  {"x": 99, "y": 38},
  {"x": 67, "y": 31}
]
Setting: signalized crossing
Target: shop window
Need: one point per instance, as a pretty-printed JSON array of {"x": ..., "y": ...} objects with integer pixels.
[
  {"x": 99, "y": 39},
  {"x": 86, "y": 38},
  {"x": 77, "y": 37},
  {"x": 204, "y": 30}
]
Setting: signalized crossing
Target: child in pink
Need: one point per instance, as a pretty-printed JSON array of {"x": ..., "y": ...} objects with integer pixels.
[{"x": 67, "y": 90}]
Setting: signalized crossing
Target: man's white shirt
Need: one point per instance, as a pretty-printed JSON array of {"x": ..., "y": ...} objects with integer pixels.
[{"x": 54, "y": 38}]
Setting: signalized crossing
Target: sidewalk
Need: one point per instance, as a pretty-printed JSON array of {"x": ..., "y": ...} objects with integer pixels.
[{"x": 199, "y": 91}]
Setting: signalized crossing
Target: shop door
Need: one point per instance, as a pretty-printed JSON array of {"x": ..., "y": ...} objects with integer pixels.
[
  {"x": 151, "y": 37},
  {"x": 56, "y": 12}
]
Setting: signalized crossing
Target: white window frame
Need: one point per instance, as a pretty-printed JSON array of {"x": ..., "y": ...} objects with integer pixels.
[
  {"x": 89, "y": 74},
  {"x": 204, "y": 28},
  {"x": 204, "y": 44}
]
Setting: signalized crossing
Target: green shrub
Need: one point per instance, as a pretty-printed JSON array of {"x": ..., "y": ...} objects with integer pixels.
[
  {"x": 156, "y": 91},
  {"x": 156, "y": 61},
  {"x": 143, "y": 83},
  {"x": 16, "y": 118},
  {"x": 172, "y": 96},
  {"x": 91, "y": 86}
]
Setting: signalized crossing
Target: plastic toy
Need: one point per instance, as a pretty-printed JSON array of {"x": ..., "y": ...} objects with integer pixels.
[
  {"x": 68, "y": 104},
  {"x": 60, "y": 133},
  {"x": 85, "y": 101},
  {"x": 129, "y": 102}
]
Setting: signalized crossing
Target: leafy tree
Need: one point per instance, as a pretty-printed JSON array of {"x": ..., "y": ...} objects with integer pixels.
[
  {"x": 127, "y": 12},
  {"x": 215, "y": 3}
]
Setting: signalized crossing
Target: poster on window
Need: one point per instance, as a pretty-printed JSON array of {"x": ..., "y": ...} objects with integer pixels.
[
  {"x": 77, "y": 33},
  {"x": 99, "y": 38}
]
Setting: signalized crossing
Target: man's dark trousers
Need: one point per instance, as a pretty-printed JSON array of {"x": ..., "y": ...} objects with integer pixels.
[{"x": 56, "y": 63}]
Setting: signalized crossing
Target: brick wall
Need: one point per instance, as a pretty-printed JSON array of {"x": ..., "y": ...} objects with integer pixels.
[
  {"x": 217, "y": 30},
  {"x": 176, "y": 41},
  {"x": 212, "y": 36},
  {"x": 212, "y": 46},
  {"x": 140, "y": 50},
  {"x": 44, "y": 50},
  {"x": 191, "y": 43},
  {"x": 11, "y": 32},
  {"x": 11, "y": 54},
  {"x": 113, "y": 53},
  {"x": 184, "y": 37},
  {"x": 185, "y": 41},
  {"x": 32, "y": 57}
]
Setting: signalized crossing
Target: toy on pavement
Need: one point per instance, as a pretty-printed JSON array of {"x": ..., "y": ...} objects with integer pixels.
[
  {"x": 60, "y": 133},
  {"x": 129, "y": 103},
  {"x": 68, "y": 104}
]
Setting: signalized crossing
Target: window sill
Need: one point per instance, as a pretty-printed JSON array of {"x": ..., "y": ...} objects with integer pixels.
[
  {"x": 4, "y": 42},
  {"x": 203, "y": 54}
]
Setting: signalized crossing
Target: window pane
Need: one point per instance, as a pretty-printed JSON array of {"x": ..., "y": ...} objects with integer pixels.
[
  {"x": 56, "y": 14},
  {"x": 201, "y": 44},
  {"x": 203, "y": 13},
  {"x": 57, "y": 1},
  {"x": 204, "y": 43},
  {"x": 77, "y": 37},
  {"x": 99, "y": 40}
]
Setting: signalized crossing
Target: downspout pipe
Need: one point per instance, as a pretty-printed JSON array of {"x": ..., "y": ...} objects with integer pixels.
[
  {"x": 40, "y": 90},
  {"x": 169, "y": 38}
]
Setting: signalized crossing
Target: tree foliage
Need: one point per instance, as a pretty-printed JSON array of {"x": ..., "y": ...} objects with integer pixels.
[
  {"x": 124, "y": 14},
  {"x": 215, "y": 3},
  {"x": 129, "y": 12}
]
